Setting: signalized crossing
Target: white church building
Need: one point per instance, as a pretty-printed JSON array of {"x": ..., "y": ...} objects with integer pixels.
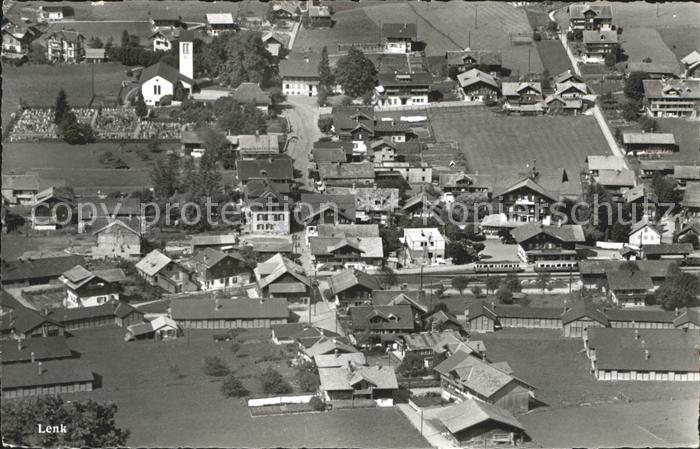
[{"x": 160, "y": 79}]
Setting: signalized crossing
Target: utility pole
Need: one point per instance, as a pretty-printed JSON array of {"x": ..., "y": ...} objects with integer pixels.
[
  {"x": 469, "y": 42},
  {"x": 529, "y": 50},
  {"x": 476, "y": 15},
  {"x": 421, "y": 422}
]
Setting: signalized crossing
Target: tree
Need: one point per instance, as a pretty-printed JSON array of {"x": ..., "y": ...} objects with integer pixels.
[
  {"x": 388, "y": 276},
  {"x": 504, "y": 295},
  {"x": 665, "y": 190},
  {"x": 215, "y": 367},
  {"x": 355, "y": 73},
  {"x": 411, "y": 364},
  {"x": 619, "y": 232},
  {"x": 95, "y": 42},
  {"x": 461, "y": 252},
  {"x": 78, "y": 133},
  {"x": 324, "y": 71},
  {"x": 166, "y": 177},
  {"x": 215, "y": 142},
  {"x": 634, "y": 86},
  {"x": 274, "y": 383},
  {"x": 460, "y": 283},
  {"x": 390, "y": 239},
  {"x": 126, "y": 40},
  {"x": 647, "y": 124},
  {"x": 308, "y": 380},
  {"x": 630, "y": 109},
  {"x": 235, "y": 58},
  {"x": 62, "y": 107},
  {"x": 680, "y": 289},
  {"x": 542, "y": 280},
  {"x": 610, "y": 60},
  {"x": 37, "y": 54},
  {"x": 140, "y": 106},
  {"x": 492, "y": 283},
  {"x": 317, "y": 404},
  {"x": 476, "y": 290},
  {"x": 441, "y": 306},
  {"x": 512, "y": 282},
  {"x": 233, "y": 387},
  {"x": 88, "y": 423}
]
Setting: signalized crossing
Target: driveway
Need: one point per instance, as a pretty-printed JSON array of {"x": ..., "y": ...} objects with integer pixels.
[{"x": 302, "y": 114}]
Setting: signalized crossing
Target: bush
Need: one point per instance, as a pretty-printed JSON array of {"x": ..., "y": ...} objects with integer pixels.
[
  {"x": 317, "y": 404},
  {"x": 235, "y": 347},
  {"x": 233, "y": 387},
  {"x": 215, "y": 367},
  {"x": 274, "y": 383},
  {"x": 166, "y": 100},
  {"x": 308, "y": 380},
  {"x": 477, "y": 291},
  {"x": 324, "y": 124}
]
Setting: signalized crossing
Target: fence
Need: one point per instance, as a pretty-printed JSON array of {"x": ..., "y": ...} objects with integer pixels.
[
  {"x": 418, "y": 382},
  {"x": 352, "y": 403},
  {"x": 441, "y": 104},
  {"x": 374, "y": 47},
  {"x": 277, "y": 400}
]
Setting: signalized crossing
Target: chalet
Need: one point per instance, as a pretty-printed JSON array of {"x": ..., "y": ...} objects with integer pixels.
[
  {"x": 593, "y": 272},
  {"x": 359, "y": 125},
  {"x": 275, "y": 43},
  {"x": 570, "y": 90},
  {"x": 347, "y": 252},
  {"x": 326, "y": 346},
  {"x": 479, "y": 86},
  {"x": 372, "y": 205},
  {"x": 215, "y": 270},
  {"x": 65, "y": 46},
  {"x": 426, "y": 345},
  {"x": 315, "y": 209},
  {"x": 340, "y": 360},
  {"x": 691, "y": 200},
  {"x": 454, "y": 183},
  {"x": 399, "y": 38},
  {"x": 382, "y": 319},
  {"x": 667, "y": 251},
  {"x": 22, "y": 322},
  {"x": 643, "y": 144},
  {"x": 528, "y": 317},
  {"x": 165, "y": 20},
  {"x": 117, "y": 240},
  {"x": 644, "y": 232},
  {"x": 162, "y": 271},
  {"x": 267, "y": 245},
  {"x": 43, "y": 378},
  {"x": 269, "y": 209},
  {"x": 567, "y": 76},
  {"x": 537, "y": 242},
  {"x": 402, "y": 89},
  {"x": 16, "y": 39},
  {"x": 130, "y": 211},
  {"x": 650, "y": 168},
  {"x": 492, "y": 226},
  {"x": 37, "y": 271},
  {"x": 280, "y": 277},
  {"x": 414, "y": 298},
  {"x": 33, "y": 350},
  {"x": 166, "y": 39},
  {"x": 486, "y": 61},
  {"x": 20, "y": 189},
  {"x": 617, "y": 182},
  {"x": 424, "y": 244},
  {"x": 346, "y": 174},
  {"x": 319, "y": 17},
  {"x": 672, "y": 98},
  {"x": 556, "y": 104},
  {"x": 203, "y": 313},
  {"x": 643, "y": 354},
  {"x": 420, "y": 205},
  {"x": 218, "y": 23},
  {"x": 299, "y": 73},
  {"x": 653, "y": 70},
  {"x": 381, "y": 151},
  {"x": 91, "y": 288},
  {"x": 273, "y": 169},
  {"x": 642, "y": 199},
  {"x": 284, "y": 10},
  {"x": 221, "y": 242},
  {"x": 590, "y": 17},
  {"x": 442, "y": 321},
  {"x": 252, "y": 94},
  {"x": 50, "y": 13},
  {"x": 598, "y": 44},
  {"x": 628, "y": 288},
  {"x": 112, "y": 313},
  {"x": 684, "y": 174},
  {"x": 474, "y": 422},
  {"x": 358, "y": 383},
  {"x": 523, "y": 97},
  {"x": 332, "y": 152},
  {"x": 596, "y": 164},
  {"x": 53, "y": 209},
  {"x": 691, "y": 65},
  {"x": 464, "y": 376},
  {"x": 527, "y": 201},
  {"x": 353, "y": 287}
]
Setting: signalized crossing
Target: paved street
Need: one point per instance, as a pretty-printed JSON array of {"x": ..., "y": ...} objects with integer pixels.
[{"x": 302, "y": 113}]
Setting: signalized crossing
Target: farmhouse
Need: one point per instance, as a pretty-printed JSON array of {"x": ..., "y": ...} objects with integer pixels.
[
  {"x": 65, "y": 46},
  {"x": 218, "y": 23},
  {"x": 426, "y": 345},
  {"x": 251, "y": 146},
  {"x": 486, "y": 61},
  {"x": 165, "y": 39},
  {"x": 252, "y": 94},
  {"x": 49, "y": 13},
  {"x": 525, "y": 97},
  {"x": 160, "y": 328},
  {"x": 299, "y": 73},
  {"x": 278, "y": 169},
  {"x": 86, "y": 288},
  {"x": 653, "y": 70},
  {"x": 285, "y": 10},
  {"x": 270, "y": 209},
  {"x": 361, "y": 253},
  {"x": 606, "y": 162},
  {"x": 464, "y": 376},
  {"x": 347, "y": 174},
  {"x": 570, "y": 89},
  {"x": 414, "y": 298},
  {"x": 112, "y": 313},
  {"x": 683, "y": 174},
  {"x": 36, "y": 350},
  {"x": 203, "y": 313},
  {"x": 165, "y": 20},
  {"x": 402, "y": 89},
  {"x": 215, "y": 270},
  {"x": 319, "y": 17},
  {"x": 353, "y": 287},
  {"x": 691, "y": 65},
  {"x": 117, "y": 240},
  {"x": 590, "y": 17},
  {"x": 47, "y": 270},
  {"x": 629, "y": 288},
  {"x": 558, "y": 105},
  {"x": 527, "y": 201},
  {"x": 672, "y": 98},
  {"x": 22, "y": 322},
  {"x": 275, "y": 43},
  {"x": 691, "y": 200},
  {"x": 641, "y": 144},
  {"x": 162, "y": 271},
  {"x": 49, "y": 377},
  {"x": 382, "y": 319},
  {"x": 617, "y": 181},
  {"x": 566, "y": 76},
  {"x": 358, "y": 382},
  {"x": 222, "y": 242},
  {"x": 326, "y": 346},
  {"x": 280, "y": 277},
  {"x": 644, "y": 232},
  {"x": 479, "y": 86},
  {"x": 398, "y": 38},
  {"x": 537, "y": 242},
  {"x": 317, "y": 209},
  {"x": 473, "y": 422},
  {"x": 598, "y": 44},
  {"x": 53, "y": 209}
]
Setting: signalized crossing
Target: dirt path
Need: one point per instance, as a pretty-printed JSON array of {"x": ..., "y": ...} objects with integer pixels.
[{"x": 302, "y": 114}]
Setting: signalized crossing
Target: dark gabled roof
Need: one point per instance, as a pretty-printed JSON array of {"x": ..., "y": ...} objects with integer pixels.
[
  {"x": 348, "y": 170},
  {"x": 687, "y": 316},
  {"x": 600, "y": 11},
  {"x": 629, "y": 280},
  {"x": 119, "y": 309},
  {"x": 667, "y": 248},
  {"x": 655, "y": 268},
  {"x": 480, "y": 308},
  {"x": 583, "y": 309},
  {"x": 415, "y": 298},
  {"x": 54, "y": 372},
  {"x": 351, "y": 278},
  {"x": 530, "y": 184},
  {"x": 23, "y": 320},
  {"x": 165, "y": 71},
  {"x": 548, "y": 313},
  {"x": 404, "y": 79},
  {"x": 277, "y": 168},
  {"x": 18, "y": 270},
  {"x": 325, "y": 155},
  {"x": 46, "y": 348},
  {"x": 393, "y": 318},
  {"x": 564, "y": 233},
  {"x": 473, "y": 412},
  {"x": 400, "y": 30},
  {"x": 299, "y": 65},
  {"x": 209, "y": 257},
  {"x": 228, "y": 309},
  {"x": 640, "y": 316}
]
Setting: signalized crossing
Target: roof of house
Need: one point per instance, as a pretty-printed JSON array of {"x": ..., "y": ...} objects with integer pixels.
[
  {"x": 351, "y": 278},
  {"x": 418, "y": 234},
  {"x": 625, "y": 177},
  {"x": 335, "y": 153},
  {"x": 564, "y": 233},
  {"x": 258, "y": 143},
  {"x": 414, "y": 298},
  {"x": 341, "y": 379},
  {"x": 23, "y": 320},
  {"x": 600, "y": 37},
  {"x": 607, "y": 162},
  {"x": 566, "y": 85},
  {"x": 348, "y": 170},
  {"x": 21, "y": 270},
  {"x": 122, "y": 223},
  {"x": 298, "y": 65},
  {"x": 475, "y": 76},
  {"x": 275, "y": 267},
  {"x": 668, "y": 248},
  {"x": 516, "y": 88},
  {"x": 67, "y": 35},
  {"x": 653, "y": 359},
  {"x": 648, "y": 138},
  {"x": 345, "y": 359},
  {"x": 400, "y": 30},
  {"x": 640, "y": 315},
  {"x": 251, "y": 93},
  {"x": 672, "y": 88},
  {"x": 472, "y": 412},
  {"x": 94, "y": 53},
  {"x": 686, "y": 172},
  {"x": 687, "y": 316},
  {"x": 584, "y": 309},
  {"x": 579, "y": 11},
  {"x": 441, "y": 318},
  {"x": 392, "y": 318},
  {"x": 431, "y": 340},
  {"x": 629, "y": 280},
  {"x": 369, "y": 247},
  {"x": 277, "y": 168},
  {"x": 528, "y": 183},
  {"x": 643, "y": 223},
  {"x": 228, "y": 309},
  {"x": 35, "y": 348},
  {"x": 119, "y": 309},
  {"x": 404, "y": 79},
  {"x": 652, "y": 67},
  {"x": 222, "y": 18},
  {"x": 53, "y": 372},
  {"x": 567, "y": 75},
  {"x": 153, "y": 262},
  {"x": 266, "y": 244},
  {"x": 209, "y": 257},
  {"x": 691, "y": 59},
  {"x": 691, "y": 195},
  {"x": 213, "y": 240},
  {"x": 480, "y": 308},
  {"x": 329, "y": 346},
  {"x": 314, "y": 203},
  {"x": 165, "y": 71}
]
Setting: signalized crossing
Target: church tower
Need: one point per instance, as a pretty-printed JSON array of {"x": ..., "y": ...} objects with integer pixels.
[{"x": 187, "y": 58}]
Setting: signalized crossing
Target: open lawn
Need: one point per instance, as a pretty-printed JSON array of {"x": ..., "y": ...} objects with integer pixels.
[
  {"x": 441, "y": 27},
  {"x": 642, "y": 14},
  {"x": 680, "y": 40},
  {"x": 687, "y": 137},
  {"x": 553, "y": 56},
  {"x": 489, "y": 140},
  {"x": 39, "y": 85},
  {"x": 14, "y": 244},
  {"x": 641, "y": 43},
  {"x": 165, "y": 399}
]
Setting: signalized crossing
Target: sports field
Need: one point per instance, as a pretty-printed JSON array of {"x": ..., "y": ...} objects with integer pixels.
[
  {"x": 441, "y": 26},
  {"x": 489, "y": 140}
]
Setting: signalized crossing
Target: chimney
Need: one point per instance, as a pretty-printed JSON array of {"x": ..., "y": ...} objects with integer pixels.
[
  {"x": 646, "y": 354},
  {"x": 32, "y": 356},
  {"x": 40, "y": 369}
]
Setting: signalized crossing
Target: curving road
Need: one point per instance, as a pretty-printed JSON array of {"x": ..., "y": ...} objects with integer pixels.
[{"x": 302, "y": 114}]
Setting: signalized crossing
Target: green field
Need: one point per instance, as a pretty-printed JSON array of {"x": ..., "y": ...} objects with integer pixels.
[
  {"x": 490, "y": 141},
  {"x": 641, "y": 43},
  {"x": 553, "y": 56},
  {"x": 680, "y": 40},
  {"x": 166, "y": 401},
  {"x": 441, "y": 26}
]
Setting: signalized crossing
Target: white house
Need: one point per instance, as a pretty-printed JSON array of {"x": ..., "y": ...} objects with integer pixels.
[
  {"x": 160, "y": 79},
  {"x": 424, "y": 244},
  {"x": 644, "y": 233},
  {"x": 299, "y": 73},
  {"x": 218, "y": 23}
]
